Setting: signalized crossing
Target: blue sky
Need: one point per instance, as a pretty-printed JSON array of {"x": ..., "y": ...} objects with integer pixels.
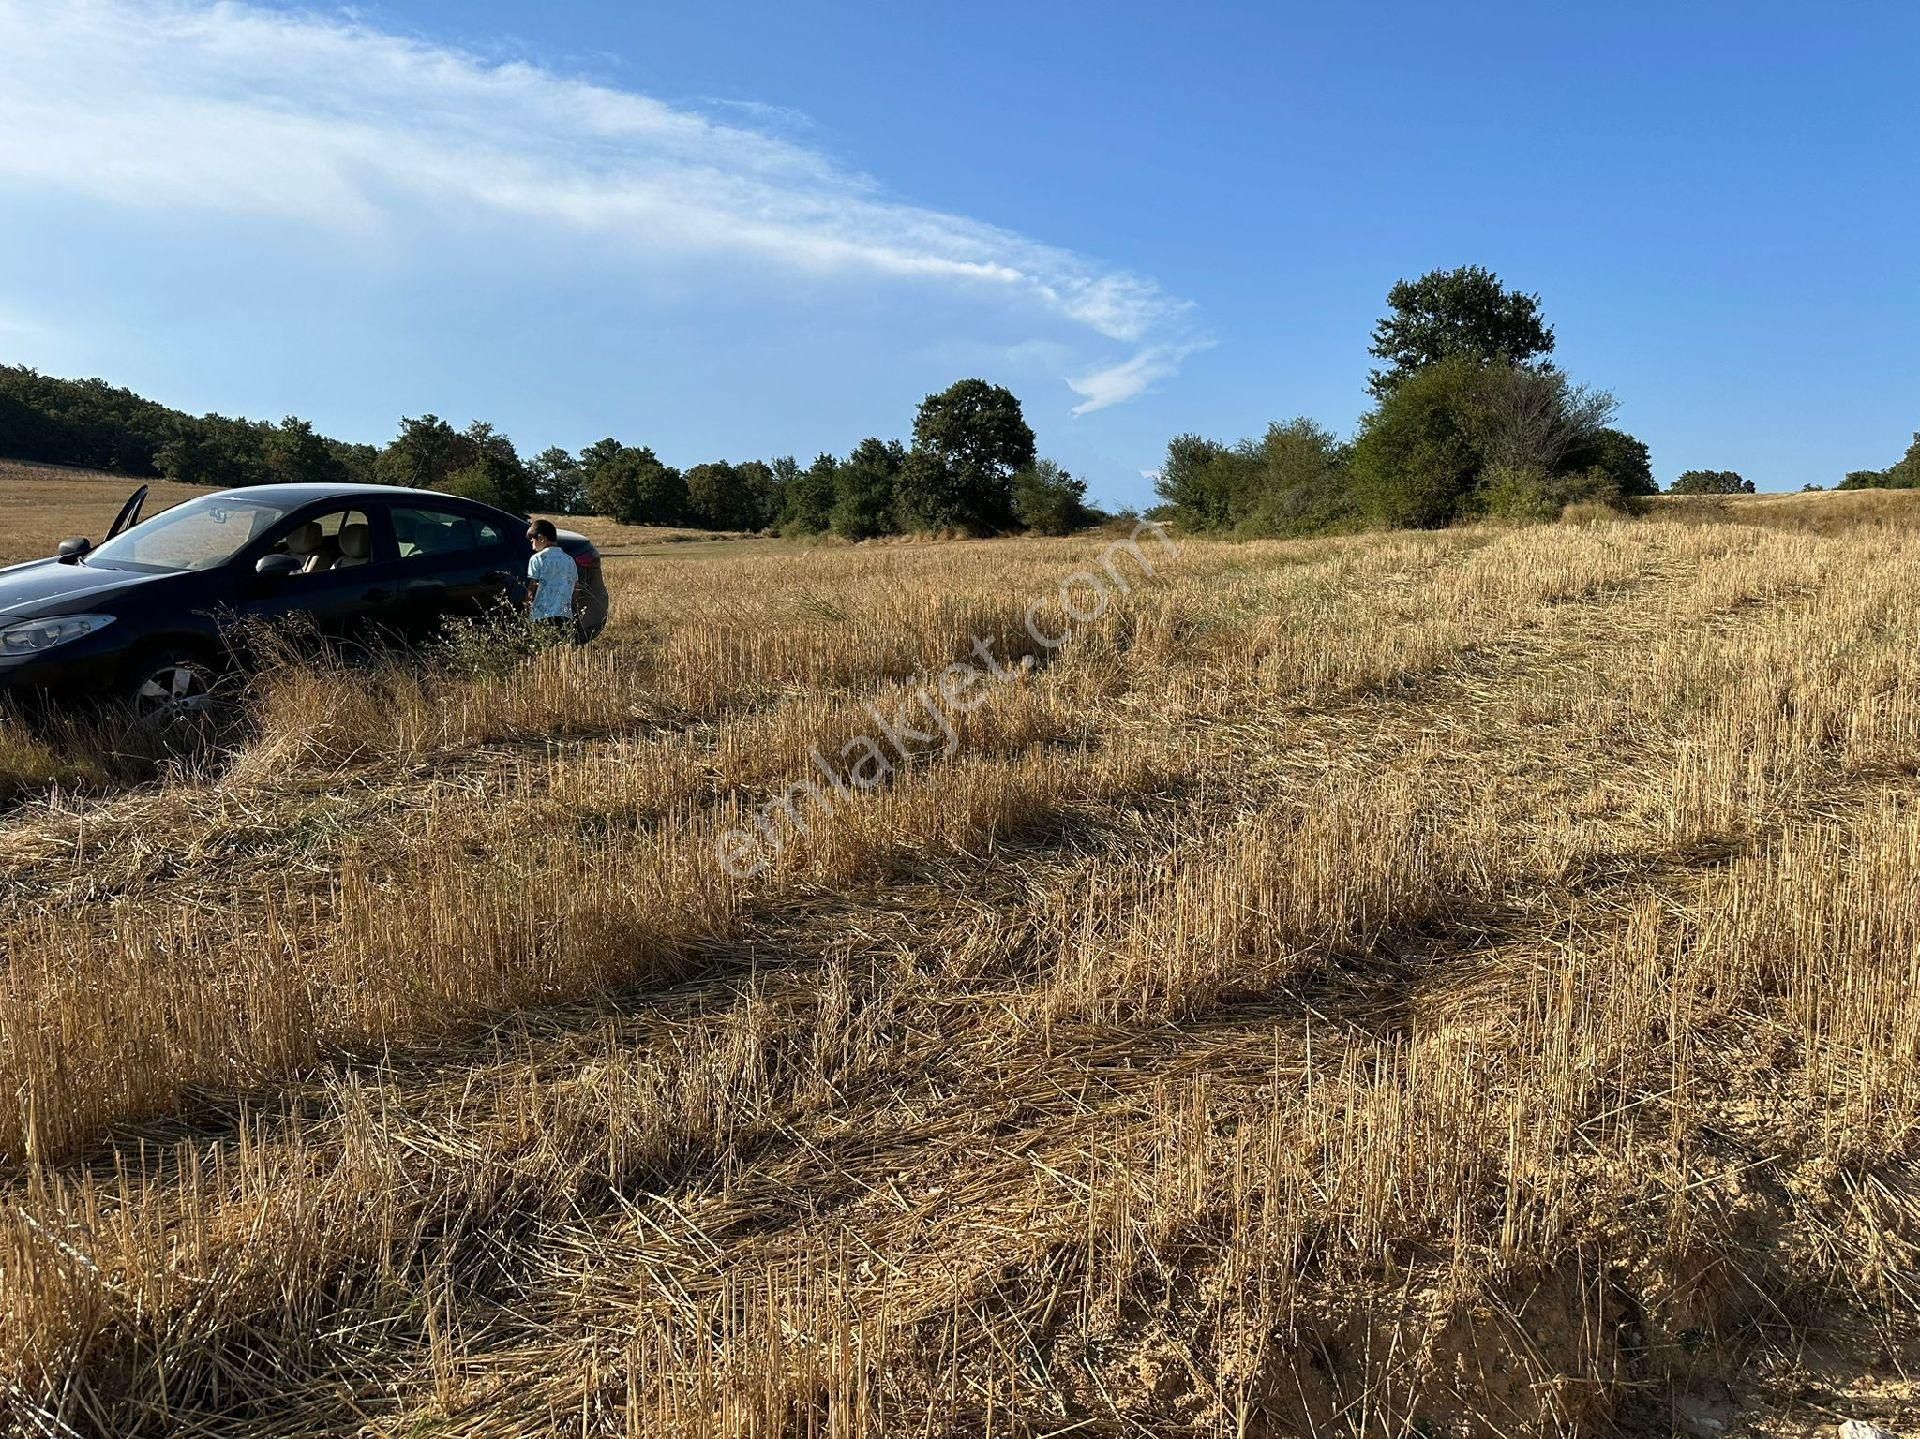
[{"x": 737, "y": 230}]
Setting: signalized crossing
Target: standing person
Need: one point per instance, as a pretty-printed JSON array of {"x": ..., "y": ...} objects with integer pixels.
[{"x": 553, "y": 575}]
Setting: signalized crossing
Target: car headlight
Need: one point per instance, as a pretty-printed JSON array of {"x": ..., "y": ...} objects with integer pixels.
[{"x": 25, "y": 637}]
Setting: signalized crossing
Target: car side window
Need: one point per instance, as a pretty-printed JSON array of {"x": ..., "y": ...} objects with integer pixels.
[
  {"x": 341, "y": 540},
  {"x": 427, "y": 534}
]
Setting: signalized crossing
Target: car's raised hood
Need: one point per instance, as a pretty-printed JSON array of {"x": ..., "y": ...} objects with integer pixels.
[{"x": 48, "y": 587}]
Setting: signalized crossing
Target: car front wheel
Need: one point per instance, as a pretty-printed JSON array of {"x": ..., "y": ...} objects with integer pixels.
[{"x": 171, "y": 685}]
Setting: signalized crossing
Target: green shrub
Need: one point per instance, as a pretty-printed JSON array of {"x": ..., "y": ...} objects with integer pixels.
[
  {"x": 1205, "y": 482},
  {"x": 1048, "y": 500},
  {"x": 1301, "y": 486},
  {"x": 1417, "y": 456},
  {"x": 1625, "y": 460},
  {"x": 1710, "y": 482}
]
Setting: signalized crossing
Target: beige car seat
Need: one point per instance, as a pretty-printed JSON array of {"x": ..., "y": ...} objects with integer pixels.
[
  {"x": 308, "y": 544},
  {"x": 356, "y": 543}
]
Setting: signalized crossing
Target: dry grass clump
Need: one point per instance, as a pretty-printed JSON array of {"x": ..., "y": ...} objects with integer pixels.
[
  {"x": 1451, "y": 983},
  {"x": 29, "y": 762}
]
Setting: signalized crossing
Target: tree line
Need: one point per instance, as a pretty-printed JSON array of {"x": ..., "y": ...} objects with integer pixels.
[
  {"x": 103, "y": 427},
  {"x": 972, "y": 465},
  {"x": 971, "y": 468},
  {"x": 1470, "y": 419}
]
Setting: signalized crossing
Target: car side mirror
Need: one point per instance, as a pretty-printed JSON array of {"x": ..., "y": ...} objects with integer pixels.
[
  {"x": 72, "y": 551},
  {"x": 277, "y": 566}
]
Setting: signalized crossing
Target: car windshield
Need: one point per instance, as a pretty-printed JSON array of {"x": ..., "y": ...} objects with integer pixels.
[{"x": 199, "y": 535}]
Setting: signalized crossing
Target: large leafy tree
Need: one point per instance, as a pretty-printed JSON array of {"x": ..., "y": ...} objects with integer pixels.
[
  {"x": 969, "y": 441},
  {"x": 718, "y": 497},
  {"x": 1465, "y": 312},
  {"x": 598, "y": 453},
  {"x": 595, "y": 491},
  {"x": 807, "y": 498},
  {"x": 559, "y": 484},
  {"x": 863, "y": 489},
  {"x": 423, "y": 454},
  {"x": 478, "y": 462},
  {"x": 635, "y": 488},
  {"x": 785, "y": 470},
  {"x": 761, "y": 488},
  {"x": 504, "y": 467},
  {"x": 475, "y": 482}
]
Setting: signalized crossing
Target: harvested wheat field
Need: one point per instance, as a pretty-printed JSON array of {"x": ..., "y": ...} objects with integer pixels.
[{"x": 1412, "y": 984}]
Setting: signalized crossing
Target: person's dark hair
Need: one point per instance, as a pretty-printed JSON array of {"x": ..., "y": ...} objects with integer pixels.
[{"x": 544, "y": 529}]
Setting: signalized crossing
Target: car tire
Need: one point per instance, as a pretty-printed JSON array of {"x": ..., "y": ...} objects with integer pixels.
[{"x": 170, "y": 684}]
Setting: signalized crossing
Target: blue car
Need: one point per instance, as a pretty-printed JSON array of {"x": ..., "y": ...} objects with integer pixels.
[{"x": 145, "y": 617}]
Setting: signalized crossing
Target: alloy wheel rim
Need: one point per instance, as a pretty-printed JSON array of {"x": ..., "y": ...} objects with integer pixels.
[{"x": 175, "y": 689}]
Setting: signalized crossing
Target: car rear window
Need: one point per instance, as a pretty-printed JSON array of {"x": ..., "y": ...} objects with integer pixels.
[{"x": 423, "y": 533}]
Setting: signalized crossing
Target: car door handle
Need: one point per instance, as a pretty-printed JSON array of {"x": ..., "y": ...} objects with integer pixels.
[{"x": 376, "y": 594}]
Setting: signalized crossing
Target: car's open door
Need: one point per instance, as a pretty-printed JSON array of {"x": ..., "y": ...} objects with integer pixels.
[{"x": 129, "y": 515}]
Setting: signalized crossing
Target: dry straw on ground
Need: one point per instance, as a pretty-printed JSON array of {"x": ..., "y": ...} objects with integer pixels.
[{"x": 1433, "y": 983}]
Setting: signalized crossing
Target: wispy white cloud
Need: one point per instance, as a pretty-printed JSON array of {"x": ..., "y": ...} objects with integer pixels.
[
  {"x": 1131, "y": 378},
  {"x": 326, "y": 122}
]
